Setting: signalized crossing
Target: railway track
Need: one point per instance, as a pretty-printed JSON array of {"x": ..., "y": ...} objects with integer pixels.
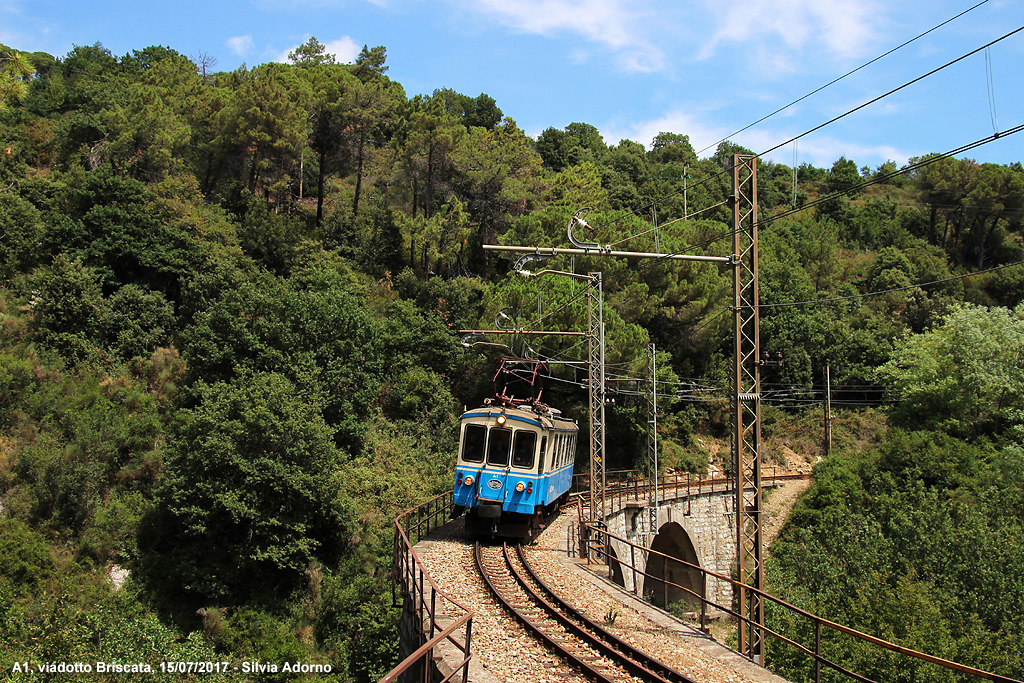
[{"x": 580, "y": 642}]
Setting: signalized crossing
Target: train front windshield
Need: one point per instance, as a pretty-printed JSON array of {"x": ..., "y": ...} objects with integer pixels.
[
  {"x": 523, "y": 451},
  {"x": 497, "y": 449},
  {"x": 473, "y": 441},
  {"x": 498, "y": 445}
]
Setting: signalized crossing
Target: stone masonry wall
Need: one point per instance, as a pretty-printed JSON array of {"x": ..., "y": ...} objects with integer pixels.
[{"x": 707, "y": 518}]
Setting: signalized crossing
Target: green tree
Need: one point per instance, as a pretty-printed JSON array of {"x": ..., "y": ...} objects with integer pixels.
[
  {"x": 249, "y": 469},
  {"x": 551, "y": 147},
  {"x": 21, "y": 236},
  {"x": 427, "y": 144},
  {"x": 843, "y": 176},
  {"x": 112, "y": 227},
  {"x": 501, "y": 177},
  {"x": 370, "y": 62},
  {"x": 66, "y": 298},
  {"x": 16, "y": 70},
  {"x": 481, "y": 111},
  {"x": 264, "y": 126},
  {"x": 672, "y": 148},
  {"x": 311, "y": 53},
  {"x": 577, "y": 143},
  {"x": 966, "y": 376},
  {"x": 309, "y": 327}
]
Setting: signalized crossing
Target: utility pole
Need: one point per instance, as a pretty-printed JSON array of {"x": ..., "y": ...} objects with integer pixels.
[
  {"x": 595, "y": 391},
  {"x": 595, "y": 332},
  {"x": 746, "y": 387},
  {"x": 652, "y": 438},
  {"x": 828, "y": 409},
  {"x": 686, "y": 179}
]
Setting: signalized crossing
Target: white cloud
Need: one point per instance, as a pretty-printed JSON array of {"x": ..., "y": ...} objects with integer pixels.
[
  {"x": 825, "y": 151},
  {"x": 841, "y": 28},
  {"x": 344, "y": 49},
  {"x": 240, "y": 45},
  {"x": 614, "y": 24},
  {"x": 676, "y": 121}
]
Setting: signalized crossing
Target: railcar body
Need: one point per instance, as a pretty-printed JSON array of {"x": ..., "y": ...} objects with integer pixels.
[{"x": 514, "y": 467}]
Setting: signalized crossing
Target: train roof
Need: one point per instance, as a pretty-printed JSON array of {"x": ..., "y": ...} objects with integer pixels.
[{"x": 538, "y": 414}]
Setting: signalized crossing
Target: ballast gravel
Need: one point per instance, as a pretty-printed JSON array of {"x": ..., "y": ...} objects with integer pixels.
[{"x": 502, "y": 649}]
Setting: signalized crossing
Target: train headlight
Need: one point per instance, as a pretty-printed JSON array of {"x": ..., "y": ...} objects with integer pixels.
[
  {"x": 501, "y": 419},
  {"x": 468, "y": 480},
  {"x": 520, "y": 487}
]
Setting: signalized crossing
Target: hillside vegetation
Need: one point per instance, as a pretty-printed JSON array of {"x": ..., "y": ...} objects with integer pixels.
[{"x": 230, "y": 306}]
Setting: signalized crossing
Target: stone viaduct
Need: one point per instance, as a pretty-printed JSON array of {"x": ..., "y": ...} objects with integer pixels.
[{"x": 696, "y": 523}]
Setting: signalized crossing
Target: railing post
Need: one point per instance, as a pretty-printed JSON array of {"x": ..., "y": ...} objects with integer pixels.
[
  {"x": 394, "y": 570},
  {"x": 433, "y": 611},
  {"x": 632, "y": 564},
  {"x": 664, "y": 581},
  {"x": 817, "y": 651},
  {"x": 421, "y": 605},
  {"x": 465, "y": 667},
  {"x": 689, "y": 496},
  {"x": 704, "y": 602}
]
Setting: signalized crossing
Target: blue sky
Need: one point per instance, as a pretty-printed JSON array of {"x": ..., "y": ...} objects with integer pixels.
[{"x": 632, "y": 68}]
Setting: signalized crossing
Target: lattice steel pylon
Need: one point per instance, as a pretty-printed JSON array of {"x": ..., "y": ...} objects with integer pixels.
[
  {"x": 747, "y": 406},
  {"x": 595, "y": 335},
  {"x": 652, "y": 438}
]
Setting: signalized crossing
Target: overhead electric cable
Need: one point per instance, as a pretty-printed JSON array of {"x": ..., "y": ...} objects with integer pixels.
[
  {"x": 848, "y": 73},
  {"x": 855, "y": 188},
  {"x": 831, "y": 121},
  {"x": 892, "y": 174},
  {"x": 991, "y": 92},
  {"x": 895, "y": 90},
  {"x": 894, "y": 289}
]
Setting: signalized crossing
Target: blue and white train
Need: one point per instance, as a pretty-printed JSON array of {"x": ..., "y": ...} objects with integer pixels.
[{"x": 514, "y": 467}]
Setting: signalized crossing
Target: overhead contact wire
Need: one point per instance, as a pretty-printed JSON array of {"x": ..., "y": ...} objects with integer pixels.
[
  {"x": 832, "y": 120},
  {"x": 848, "y": 73}
]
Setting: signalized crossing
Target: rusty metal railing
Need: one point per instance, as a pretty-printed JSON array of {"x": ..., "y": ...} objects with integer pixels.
[
  {"x": 601, "y": 540},
  {"x": 423, "y": 600},
  {"x": 632, "y": 486}
]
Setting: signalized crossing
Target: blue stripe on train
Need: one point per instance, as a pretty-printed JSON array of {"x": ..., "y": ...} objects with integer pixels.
[
  {"x": 546, "y": 488},
  {"x": 516, "y": 418}
]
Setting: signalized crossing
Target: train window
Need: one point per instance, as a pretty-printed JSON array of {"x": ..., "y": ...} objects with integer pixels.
[
  {"x": 498, "y": 448},
  {"x": 543, "y": 451},
  {"x": 473, "y": 439},
  {"x": 523, "y": 448}
]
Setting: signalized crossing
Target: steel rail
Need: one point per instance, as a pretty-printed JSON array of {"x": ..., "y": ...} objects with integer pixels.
[
  {"x": 634, "y": 662},
  {"x": 573, "y": 659},
  {"x": 618, "y": 647}
]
